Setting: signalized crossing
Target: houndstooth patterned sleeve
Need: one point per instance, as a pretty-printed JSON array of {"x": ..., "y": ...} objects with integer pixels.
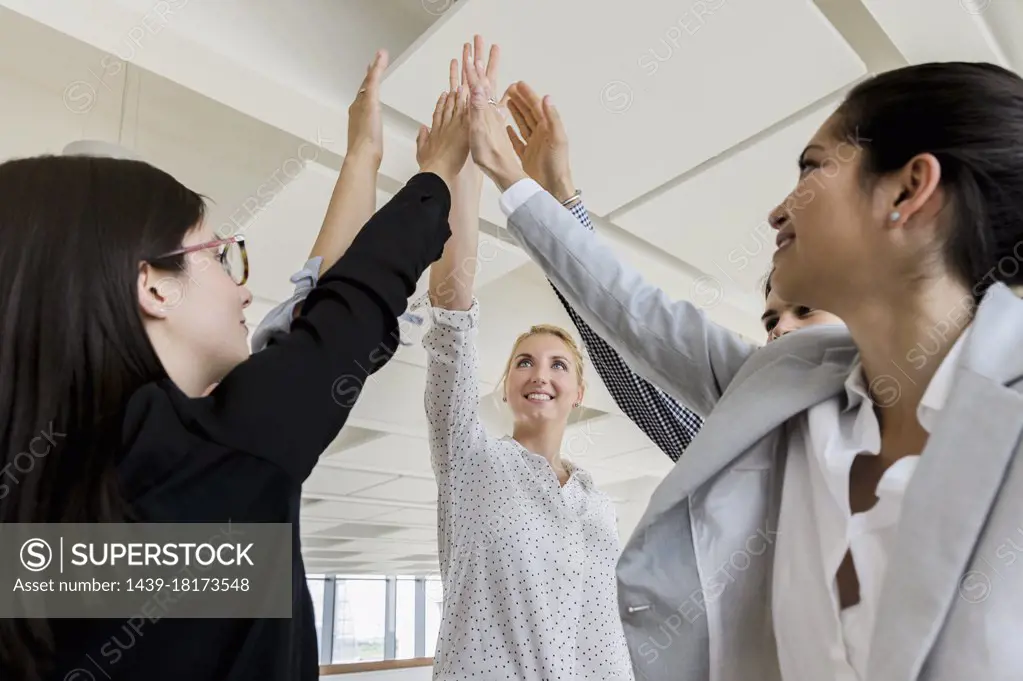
[{"x": 664, "y": 420}]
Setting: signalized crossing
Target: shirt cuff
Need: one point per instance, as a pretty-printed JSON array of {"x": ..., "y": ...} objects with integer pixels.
[
  {"x": 460, "y": 320},
  {"x": 277, "y": 322},
  {"x": 307, "y": 277},
  {"x": 518, "y": 194},
  {"x": 581, "y": 214}
]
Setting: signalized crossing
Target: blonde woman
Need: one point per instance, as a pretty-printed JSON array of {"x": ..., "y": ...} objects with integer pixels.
[{"x": 528, "y": 544}]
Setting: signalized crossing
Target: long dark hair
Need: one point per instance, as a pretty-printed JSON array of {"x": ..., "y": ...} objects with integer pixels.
[
  {"x": 970, "y": 117},
  {"x": 73, "y": 349}
]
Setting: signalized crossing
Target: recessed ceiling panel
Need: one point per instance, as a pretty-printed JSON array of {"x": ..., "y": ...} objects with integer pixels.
[
  {"x": 412, "y": 517},
  {"x": 647, "y": 92},
  {"x": 357, "y": 531},
  {"x": 335, "y": 481},
  {"x": 415, "y": 490},
  {"x": 342, "y": 510},
  {"x": 390, "y": 453},
  {"x": 717, "y": 220}
]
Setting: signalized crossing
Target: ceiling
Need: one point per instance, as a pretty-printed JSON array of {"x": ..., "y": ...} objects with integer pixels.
[{"x": 685, "y": 123}]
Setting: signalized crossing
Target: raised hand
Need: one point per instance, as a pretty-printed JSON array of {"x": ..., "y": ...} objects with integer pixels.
[
  {"x": 471, "y": 178},
  {"x": 488, "y": 142},
  {"x": 444, "y": 146},
  {"x": 543, "y": 147},
  {"x": 365, "y": 129}
]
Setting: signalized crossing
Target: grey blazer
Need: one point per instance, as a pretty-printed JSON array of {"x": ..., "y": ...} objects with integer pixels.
[{"x": 694, "y": 580}]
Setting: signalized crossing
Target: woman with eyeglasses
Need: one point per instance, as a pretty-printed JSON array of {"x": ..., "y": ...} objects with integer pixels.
[{"x": 119, "y": 308}]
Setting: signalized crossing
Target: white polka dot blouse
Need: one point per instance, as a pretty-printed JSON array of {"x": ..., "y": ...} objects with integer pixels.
[{"x": 527, "y": 566}]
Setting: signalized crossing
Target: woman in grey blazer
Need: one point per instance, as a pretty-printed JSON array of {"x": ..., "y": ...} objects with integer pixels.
[{"x": 852, "y": 508}]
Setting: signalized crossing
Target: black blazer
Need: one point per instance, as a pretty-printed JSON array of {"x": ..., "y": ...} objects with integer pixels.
[{"x": 243, "y": 452}]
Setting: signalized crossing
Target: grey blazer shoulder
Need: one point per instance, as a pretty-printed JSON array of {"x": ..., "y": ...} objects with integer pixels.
[{"x": 694, "y": 580}]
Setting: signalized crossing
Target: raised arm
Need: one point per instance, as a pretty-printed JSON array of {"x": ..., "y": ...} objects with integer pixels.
[
  {"x": 287, "y": 403},
  {"x": 668, "y": 424},
  {"x": 452, "y": 380},
  {"x": 352, "y": 203},
  {"x": 671, "y": 343},
  {"x": 354, "y": 198},
  {"x": 543, "y": 151}
]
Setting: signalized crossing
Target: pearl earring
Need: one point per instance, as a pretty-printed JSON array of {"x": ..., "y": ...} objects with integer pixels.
[{"x": 894, "y": 217}]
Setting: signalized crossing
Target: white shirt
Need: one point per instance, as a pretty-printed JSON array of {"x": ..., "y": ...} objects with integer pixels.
[
  {"x": 528, "y": 566},
  {"x": 816, "y": 640}
]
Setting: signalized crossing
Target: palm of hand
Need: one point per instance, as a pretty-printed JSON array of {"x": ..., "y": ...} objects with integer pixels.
[{"x": 542, "y": 157}]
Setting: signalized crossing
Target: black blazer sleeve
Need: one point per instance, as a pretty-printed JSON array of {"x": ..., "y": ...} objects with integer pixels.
[{"x": 287, "y": 403}]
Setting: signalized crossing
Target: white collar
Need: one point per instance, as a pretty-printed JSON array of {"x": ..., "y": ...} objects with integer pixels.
[{"x": 934, "y": 398}]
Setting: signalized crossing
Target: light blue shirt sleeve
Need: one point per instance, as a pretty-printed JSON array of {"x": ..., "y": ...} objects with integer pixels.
[{"x": 277, "y": 322}]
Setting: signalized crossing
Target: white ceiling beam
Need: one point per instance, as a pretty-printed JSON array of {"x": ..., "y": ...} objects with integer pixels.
[
  {"x": 637, "y": 111},
  {"x": 152, "y": 41},
  {"x": 925, "y": 30}
]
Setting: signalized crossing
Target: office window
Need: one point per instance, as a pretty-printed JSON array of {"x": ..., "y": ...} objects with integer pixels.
[
  {"x": 405, "y": 618},
  {"x": 434, "y": 605},
  {"x": 316, "y": 586},
  {"x": 359, "y": 626}
]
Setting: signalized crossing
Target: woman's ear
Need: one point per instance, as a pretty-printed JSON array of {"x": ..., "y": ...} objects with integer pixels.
[
  {"x": 917, "y": 191},
  {"x": 158, "y": 292}
]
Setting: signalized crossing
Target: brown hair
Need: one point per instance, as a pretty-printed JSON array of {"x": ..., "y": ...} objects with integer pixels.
[{"x": 550, "y": 330}]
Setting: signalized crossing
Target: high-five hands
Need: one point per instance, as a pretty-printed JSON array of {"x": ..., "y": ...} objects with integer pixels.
[
  {"x": 467, "y": 120},
  {"x": 543, "y": 147},
  {"x": 489, "y": 144}
]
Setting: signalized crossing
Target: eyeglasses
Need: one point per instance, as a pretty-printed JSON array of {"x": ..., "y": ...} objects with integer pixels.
[{"x": 231, "y": 254}]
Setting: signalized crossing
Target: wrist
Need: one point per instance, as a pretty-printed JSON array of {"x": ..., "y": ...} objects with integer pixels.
[
  {"x": 440, "y": 171},
  {"x": 505, "y": 177},
  {"x": 363, "y": 155},
  {"x": 562, "y": 189}
]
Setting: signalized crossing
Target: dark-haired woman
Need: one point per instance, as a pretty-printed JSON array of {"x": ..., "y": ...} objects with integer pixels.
[
  {"x": 847, "y": 510},
  {"x": 119, "y": 308}
]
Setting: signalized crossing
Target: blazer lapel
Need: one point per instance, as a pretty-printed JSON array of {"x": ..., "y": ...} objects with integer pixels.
[
  {"x": 953, "y": 488},
  {"x": 943, "y": 515},
  {"x": 766, "y": 399}
]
